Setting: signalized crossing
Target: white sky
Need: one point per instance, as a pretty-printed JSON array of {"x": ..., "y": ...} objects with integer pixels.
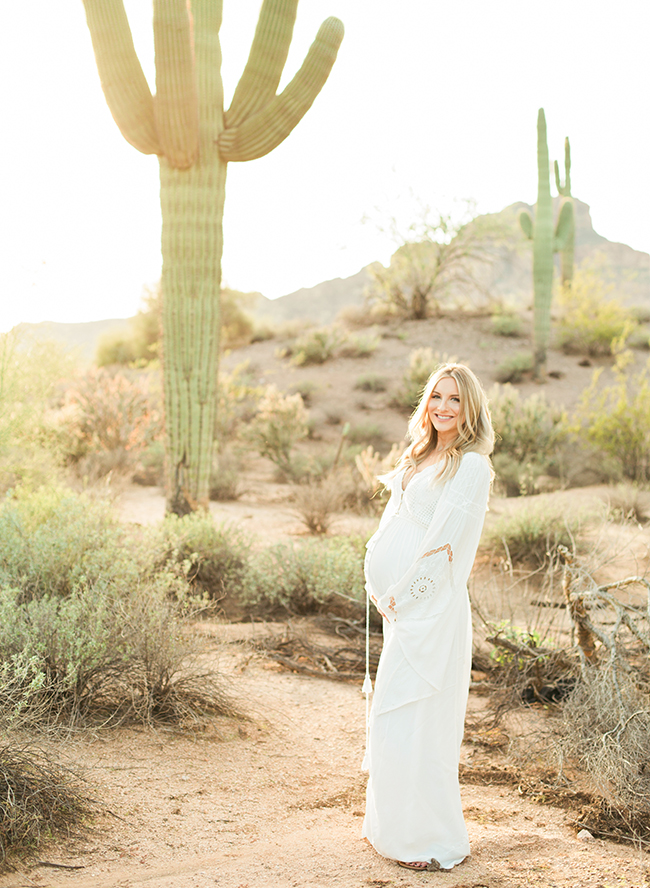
[{"x": 427, "y": 98}]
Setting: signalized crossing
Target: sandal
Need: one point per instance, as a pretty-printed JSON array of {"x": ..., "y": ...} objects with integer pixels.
[{"x": 420, "y": 866}]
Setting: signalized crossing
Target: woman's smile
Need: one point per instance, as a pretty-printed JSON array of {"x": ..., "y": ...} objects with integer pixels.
[{"x": 444, "y": 408}]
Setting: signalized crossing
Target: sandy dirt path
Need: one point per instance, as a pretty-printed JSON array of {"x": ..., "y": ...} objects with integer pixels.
[{"x": 279, "y": 802}]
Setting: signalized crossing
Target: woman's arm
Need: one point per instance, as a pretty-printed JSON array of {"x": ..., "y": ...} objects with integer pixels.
[{"x": 445, "y": 557}]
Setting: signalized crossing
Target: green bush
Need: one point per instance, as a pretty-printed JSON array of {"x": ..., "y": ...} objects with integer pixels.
[
  {"x": 513, "y": 368},
  {"x": 54, "y": 539},
  {"x": 305, "y": 388},
  {"x": 366, "y": 433},
  {"x": 529, "y": 438},
  {"x": 31, "y": 375},
  {"x": 237, "y": 400},
  {"x": 98, "y": 656},
  {"x": 281, "y": 421},
  {"x": 213, "y": 558},
  {"x": 371, "y": 382},
  {"x": 507, "y": 323},
  {"x": 358, "y": 346},
  {"x": 306, "y": 578},
  {"x": 315, "y": 347},
  {"x": 91, "y": 619},
  {"x": 616, "y": 420},
  {"x": 225, "y": 477},
  {"x": 531, "y": 534},
  {"x": 591, "y": 321}
]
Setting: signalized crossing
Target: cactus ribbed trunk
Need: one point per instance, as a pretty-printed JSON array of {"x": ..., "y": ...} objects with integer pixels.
[
  {"x": 542, "y": 254},
  {"x": 184, "y": 124},
  {"x": 567, "y": 254},
  {"x": 546, "y": 242},
  {"x": 192, "y": 204}
]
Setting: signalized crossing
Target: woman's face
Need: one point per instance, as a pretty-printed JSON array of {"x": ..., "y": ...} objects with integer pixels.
[{"x": 444, "y": 408}]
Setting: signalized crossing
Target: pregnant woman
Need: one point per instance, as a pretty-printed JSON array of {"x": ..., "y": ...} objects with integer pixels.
[{"x": 417, "y": 566}]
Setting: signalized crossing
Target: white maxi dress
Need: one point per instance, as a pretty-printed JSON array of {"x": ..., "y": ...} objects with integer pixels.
[{"x": 417, "y": 566}]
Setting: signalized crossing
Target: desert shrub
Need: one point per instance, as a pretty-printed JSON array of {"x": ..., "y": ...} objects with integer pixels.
[
  {"x": 150, "y": 467},
  {"x": 507, "y": 323},
  {"x": 316, "y": 502},
  {"x": 305, "y": 388},
  {"x": 31, "y": 374},
  {"x": 371, "y": 382},
  {"x": 225, "y": 476},
  {"x": 213, "y": 558},
  {"x": 53, "y": 539},
  {"x": 281, "y": 421},
  {"x": 629, "y": 502},
  {"x": 308, "y": 577},
  {"x": 355, "y": 316},
  {"x": 591, "y": 320},
  {"x": 513, "y": 368},
  {"x": 100, "y": 654},
  {"x": 107, "y": 420},
  {"x": 366, "y": 433},
  {"x": 315, "y": 347},
  {"x": 639, "y": 338},
  {"x": 237, "y": 400},
  {"x": 531, "y": 534},
  {"x": 529, "y": 437},
  {"x": 358, "y": 346},
  {"x": 616, "y": 420},
  {"x": 40, "y": 799}
]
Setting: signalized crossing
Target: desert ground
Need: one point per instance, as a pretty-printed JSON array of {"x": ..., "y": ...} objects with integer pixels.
[{"x": 277, "y": 799}]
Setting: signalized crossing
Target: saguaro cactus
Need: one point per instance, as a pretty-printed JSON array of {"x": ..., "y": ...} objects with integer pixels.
[
  {"x": 185, "y": 125},
  {"x": 565, "y": 191},
  {"x": 546, "y": 241}
]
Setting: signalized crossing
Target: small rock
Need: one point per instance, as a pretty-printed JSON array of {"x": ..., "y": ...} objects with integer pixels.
[{"x": 585, "y": 836}]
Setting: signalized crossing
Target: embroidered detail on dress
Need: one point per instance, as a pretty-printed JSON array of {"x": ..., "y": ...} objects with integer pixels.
[
  {"x": 460, "y": 501},
  {"x": 391, "y": 604},
  {"x": 423, "y": 588},
  {"x": 446, "y": 548}
]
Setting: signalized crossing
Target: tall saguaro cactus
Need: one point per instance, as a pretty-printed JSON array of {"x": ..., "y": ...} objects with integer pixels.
[
  {"x": 546, "y": 241},
  {"x": 185, "y": 125},
  {"x": 565, "y": 191}
]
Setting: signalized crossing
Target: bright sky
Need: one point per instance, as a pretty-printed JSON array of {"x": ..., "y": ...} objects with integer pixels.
[{"x": 432, "y": 99}]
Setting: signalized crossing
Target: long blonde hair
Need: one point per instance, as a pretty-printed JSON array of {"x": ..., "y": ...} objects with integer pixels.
[{"x": 474, "y": 432}]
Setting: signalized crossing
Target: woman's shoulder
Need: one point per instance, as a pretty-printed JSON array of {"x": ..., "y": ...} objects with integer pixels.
[{"x": 474, "y": 465}]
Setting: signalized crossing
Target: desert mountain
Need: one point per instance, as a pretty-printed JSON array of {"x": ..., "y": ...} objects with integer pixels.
[{"x": 509, "y": 278}]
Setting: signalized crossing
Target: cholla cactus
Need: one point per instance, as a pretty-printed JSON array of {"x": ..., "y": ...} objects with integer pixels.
[
  {"x": 546, "y": 241},
  {"x": 565, "y": 191},
  {"x": 185, "y": 125}
]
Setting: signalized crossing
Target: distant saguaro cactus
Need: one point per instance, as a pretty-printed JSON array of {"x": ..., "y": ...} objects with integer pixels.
[
  {"x": 546, "y": 241},
  {"x": 185, "y": 125},
  {"x": 565, "y": 191}
]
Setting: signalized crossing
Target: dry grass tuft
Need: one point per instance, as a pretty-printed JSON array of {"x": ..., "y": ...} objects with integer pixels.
[{"x": 38, "y": 799}]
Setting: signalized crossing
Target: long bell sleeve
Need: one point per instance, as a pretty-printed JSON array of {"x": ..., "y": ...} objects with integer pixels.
[{"x": 422, "y": 607}]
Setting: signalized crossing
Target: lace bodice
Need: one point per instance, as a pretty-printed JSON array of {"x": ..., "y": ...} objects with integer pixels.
[{"x": 418, "y": 502}]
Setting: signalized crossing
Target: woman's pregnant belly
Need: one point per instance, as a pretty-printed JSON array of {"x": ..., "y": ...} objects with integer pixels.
[{"x": 393, "y": 553}]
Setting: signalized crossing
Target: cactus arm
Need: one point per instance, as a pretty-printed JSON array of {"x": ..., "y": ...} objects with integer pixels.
[
  {"x": 125, "y": 87},
  {"x": 176, "y": 103},
  {"x": 268, "y": 128},
  {"x": 526, "y": 223},
  {"x": 259, "y": 82},
  {"x": 564, "y": 228},
  {"x": 564, "y": 190}
]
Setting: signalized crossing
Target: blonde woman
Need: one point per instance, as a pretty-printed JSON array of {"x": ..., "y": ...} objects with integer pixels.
[{"x": 417, "y": 567}]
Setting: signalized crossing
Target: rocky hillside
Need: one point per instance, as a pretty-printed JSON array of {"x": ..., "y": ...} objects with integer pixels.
[{"x": 508, "y": 278}]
